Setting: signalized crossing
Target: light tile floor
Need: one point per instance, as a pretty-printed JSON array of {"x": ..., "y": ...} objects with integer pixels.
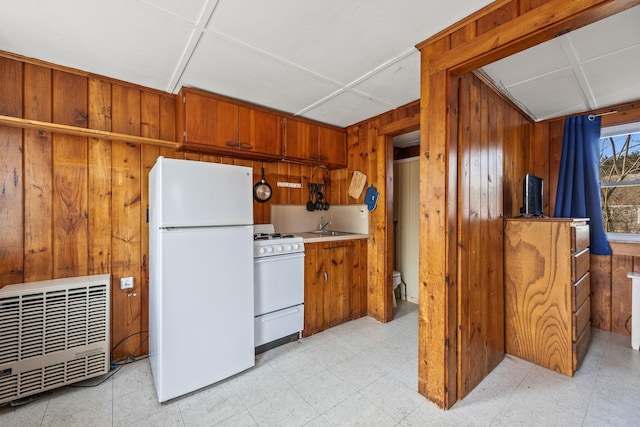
[{"x": 360, "y": 373}]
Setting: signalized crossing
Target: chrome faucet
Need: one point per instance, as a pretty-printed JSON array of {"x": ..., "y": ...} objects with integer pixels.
[{"x": 322, "y": 226}]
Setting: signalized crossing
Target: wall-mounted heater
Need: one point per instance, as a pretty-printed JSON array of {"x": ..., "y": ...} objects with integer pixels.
[{"x": 53, "y": 333}]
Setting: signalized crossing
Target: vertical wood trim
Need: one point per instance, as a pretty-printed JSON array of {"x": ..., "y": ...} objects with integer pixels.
[
  {"x": 38, "y": 201},
  {"x": 438, "y": 271}
]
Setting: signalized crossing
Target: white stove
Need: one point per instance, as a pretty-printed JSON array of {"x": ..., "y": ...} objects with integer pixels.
[
  {"x": 278, "y": 284},
  {"x": 270, "y": 244}
]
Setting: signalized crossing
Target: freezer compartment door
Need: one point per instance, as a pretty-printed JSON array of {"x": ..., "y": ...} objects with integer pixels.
[
  {"x": 203, "y": 330},
  {"x": 187, "y": 193}
]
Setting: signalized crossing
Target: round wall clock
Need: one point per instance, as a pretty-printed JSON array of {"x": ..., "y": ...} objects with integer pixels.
[{"x": 262, "y": 190}]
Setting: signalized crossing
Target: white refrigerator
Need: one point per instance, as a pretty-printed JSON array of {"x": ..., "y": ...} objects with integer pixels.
[{"x": 201, "y": 309}]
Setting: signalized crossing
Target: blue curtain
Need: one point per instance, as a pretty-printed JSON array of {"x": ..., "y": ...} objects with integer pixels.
[{"x": 578, "y": 193}]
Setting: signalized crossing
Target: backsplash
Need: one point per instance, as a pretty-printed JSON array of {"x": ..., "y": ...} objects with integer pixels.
[{"x": 297, "y": 219}]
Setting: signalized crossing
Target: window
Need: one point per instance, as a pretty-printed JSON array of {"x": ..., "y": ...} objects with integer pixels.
[{"x": 620, "y": 178}]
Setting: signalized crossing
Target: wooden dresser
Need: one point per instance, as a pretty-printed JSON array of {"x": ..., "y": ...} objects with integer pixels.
[{"x": 547, "y": 288}]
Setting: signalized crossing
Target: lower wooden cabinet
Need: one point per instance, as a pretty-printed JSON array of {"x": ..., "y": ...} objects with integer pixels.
[
  {"x": 547, "y": 291},
  {"x": 335, "y": 289}
]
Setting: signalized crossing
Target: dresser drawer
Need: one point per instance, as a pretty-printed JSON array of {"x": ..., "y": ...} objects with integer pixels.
[
  {"x": 579, "y": 238},
  {"x": 580, "y": 263},
  {"x": 581, "y": 318},
  {"x": 580, "y": 347},
  {"x": 580, "y": 292}
]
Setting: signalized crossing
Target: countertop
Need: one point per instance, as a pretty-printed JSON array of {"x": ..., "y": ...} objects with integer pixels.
[{"x": 319, "y": 238}]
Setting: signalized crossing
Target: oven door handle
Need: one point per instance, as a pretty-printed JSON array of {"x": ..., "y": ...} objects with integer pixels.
[
  {"x": 280, "y": 313},
  {"x": 279, "y": 257}
]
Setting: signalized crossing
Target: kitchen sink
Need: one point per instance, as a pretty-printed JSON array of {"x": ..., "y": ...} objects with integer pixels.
[{"x": 330, "y": 233}]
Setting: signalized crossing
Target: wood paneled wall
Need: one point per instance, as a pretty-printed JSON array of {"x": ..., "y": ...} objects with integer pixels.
[
  {"x": 494, "y": 144},
  {"x": 72, "y": 206}
]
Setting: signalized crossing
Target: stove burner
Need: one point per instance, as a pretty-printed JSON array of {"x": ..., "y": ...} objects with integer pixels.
[{"x": 271, "y": 236}]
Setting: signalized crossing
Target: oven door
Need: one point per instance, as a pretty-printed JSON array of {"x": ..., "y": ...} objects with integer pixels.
[{"x": 278, "y": 282}]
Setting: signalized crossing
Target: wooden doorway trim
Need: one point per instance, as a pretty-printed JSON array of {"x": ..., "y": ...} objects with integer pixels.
[
  {"x": 385, "y": 134},
  {"x": 501, "y": 29}
]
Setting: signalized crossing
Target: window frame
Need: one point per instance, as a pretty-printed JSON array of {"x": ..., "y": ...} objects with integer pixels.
[{"x": 612, "y": 131}]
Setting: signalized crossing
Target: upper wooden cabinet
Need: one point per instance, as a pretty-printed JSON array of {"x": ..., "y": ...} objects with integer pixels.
[
  {"x": 313, "y": 143},
  {"x": 212, "y": 123}
]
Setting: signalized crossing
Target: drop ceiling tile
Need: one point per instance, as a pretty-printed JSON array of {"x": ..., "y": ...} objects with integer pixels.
[
  {"x": 190, "y": 10},
  {"x": 396, "y": 84},
  {"x": 550, "y": 95},
  {"x": 607, "y": 35},
  {"x": 334, "y": 38},
  {"x": 119, "y": 39},
  {"x": 347, "y": 108},
  {"x": 222, "y": 66},
  {"x": 613, "y": 79},
  {"x": 538, "y": 60}
]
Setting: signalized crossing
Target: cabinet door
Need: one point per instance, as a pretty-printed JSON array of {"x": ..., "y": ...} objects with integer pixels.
[
  {"x": 336, "y": 297},
  {"x": 260, "y": 132},
  {"x": 332, "y": 146},
  {"x": 209, "y": 121},
  {"x": 300, "y": 140},
  {"x": 313, "y": 290},
  {"x": 357, "y": 278}
]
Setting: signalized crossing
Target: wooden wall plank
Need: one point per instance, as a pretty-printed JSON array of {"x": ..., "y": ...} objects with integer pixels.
[
  {"x": 464, "y": 207},
  {"x": 11, "y": 176},
  {"x": 150, "y": 122},
  {"x": 70, "y": 174},
  {"x": 621, "y": 265},
  {"x": 126, "y": 213},
  {"x": 38, "y": 190},
  {"x": 600, "y": 273},
  {"x": 99, "y": 179}
]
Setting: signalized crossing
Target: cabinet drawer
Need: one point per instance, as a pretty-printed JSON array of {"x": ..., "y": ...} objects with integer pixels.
[
  {"x": 580, "y": 263},
  {"x": 581, "y": 319},
  {"x": 580, "y": 291},
  {"x": 579, "y": 238},
  {"x": 580, "y": 347}
]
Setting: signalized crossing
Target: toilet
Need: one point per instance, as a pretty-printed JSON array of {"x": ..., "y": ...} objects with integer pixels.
[{"x": 397, "y": 279}]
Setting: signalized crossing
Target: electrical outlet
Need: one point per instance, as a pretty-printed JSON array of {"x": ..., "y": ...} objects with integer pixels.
[{"x": 126, "y": 283}]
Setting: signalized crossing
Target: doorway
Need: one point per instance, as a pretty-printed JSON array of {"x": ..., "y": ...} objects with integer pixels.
[{"x": 406, "y": 209}]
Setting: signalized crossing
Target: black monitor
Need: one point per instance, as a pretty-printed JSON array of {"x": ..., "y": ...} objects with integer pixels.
[{"x": 532, "y": 188}]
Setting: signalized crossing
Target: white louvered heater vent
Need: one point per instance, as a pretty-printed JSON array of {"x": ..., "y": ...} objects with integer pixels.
[{"x": 53, "y": 333}]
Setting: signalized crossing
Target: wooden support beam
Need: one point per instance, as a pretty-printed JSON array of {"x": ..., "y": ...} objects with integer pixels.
[{"x": 407, "y": 124}]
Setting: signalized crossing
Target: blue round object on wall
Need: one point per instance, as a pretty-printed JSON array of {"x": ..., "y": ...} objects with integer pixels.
[{"x": 371, "y": 197}]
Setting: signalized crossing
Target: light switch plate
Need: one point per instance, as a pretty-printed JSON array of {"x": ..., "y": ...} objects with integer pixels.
[{"x": 126, "y": 283}]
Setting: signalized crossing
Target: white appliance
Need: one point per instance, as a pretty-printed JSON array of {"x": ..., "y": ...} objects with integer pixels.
[
  {"x": 200, "y": 274},
  {"x": 53, "y": 333},
  {"x": 279, "y": 284}
]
